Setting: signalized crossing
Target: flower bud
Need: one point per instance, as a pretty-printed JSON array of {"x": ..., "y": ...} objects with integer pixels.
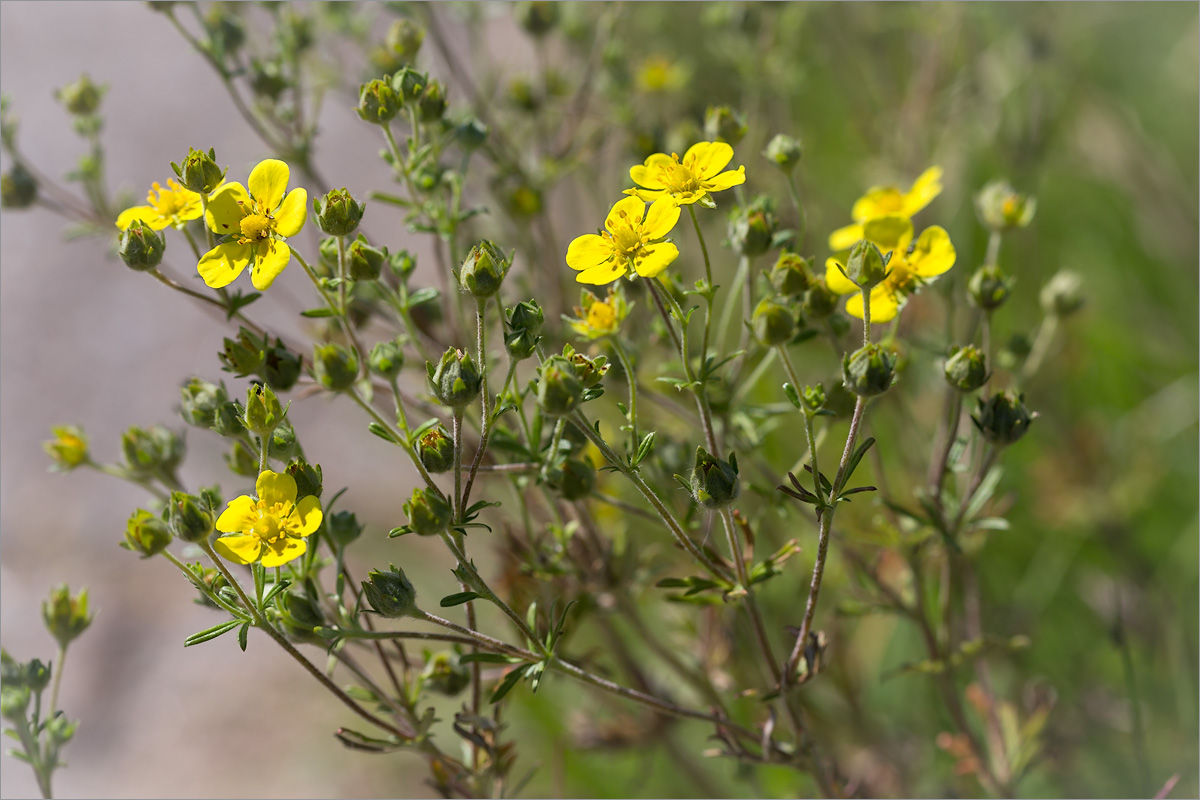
[
  {"x": 866, "y": 266},
  {"x": 299, "y": 616},
  {"x": 34, "y": 676},
  {"x": 82, "y": 97},
  {"x": 267, "y": 79},
  {"x": 869, "y": 370},
  {"x": 201, "y": 400},
  {"x": 336, "y": 367},
  {"x": 343, "y": 528},
  {"x": 390, "y": 593},
  {"x": 1063, "y": 295},
  {"x": 402, "y": 263},
  {"x": 280, "y": 367},
  {"x": 146, "y": 533},
  {"x": 989, "y": 287},
  {"x": 812, "y": 399},
  {"x": 432, "y": 104},
  {"x": 200, "y": 172},
  {"x": 308, "y": 478},
  {"x": 752, "y": 228},
  {"x": 784, "y": 152},
  {"x": 378, "y": 102},
  {"x": 714, "y": 482},
  {"x": 227, "y": 420},
  {"x": 68, "y": 449},
  {"x": 189, "y": 517},
  {"x": 820, "y": 301},
  {"x": 337, "y": 213},
  {"x": 444, "y": 674},
  {"x": 575, "y": 479},
  {"x": 263, "y": 412},
  {"x": 435, "y": 448},
  {"x": 791, "y": 275},
  {"x": 65, "y": 616},
  {"x": 386, "y": 359},
  {"x": 772, "y": 323},
  {"x": 404, "y": 40},
  {"x": 241, "y": 461},
  {"x": 525, "y": 321},
  {"x": 244, "y": 355},
  {"x": 1003, "y": 418},
  {"x": 18, "y": 188},
  {"x": 141, "y": 247},
  {"x": 455, "y": 380},
  {"x": 149, "y": 453},
  {"x": 1000, "y": 207},
  {"x": 226, "y": 32},
  {"x": 559, "y": 391},
  {"x": 522, "y": 95},
  {"x": 537, "y": 18},
  {"x": 366, "y": 262},
  {"x": 723, "y": 124},
  {"x": 483, "y": 270},
  {"x": 589, "y": 370},
  {"x": 470, "y": 134},
  {"x": 409, "y": 85},
  {"x": 428, "y": 512},
  {"x": 1015, "y": 351},
  {"x": 966, "y": 368},
  {"x": 14, "y": 702}
]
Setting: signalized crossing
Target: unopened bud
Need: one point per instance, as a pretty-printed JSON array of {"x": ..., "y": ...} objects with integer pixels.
[
  {"x": 404, "y": 40},
  {"x": 784, "y": 151},
  {"x": 337, "y": 213},
  {"x": 378, "y": 102},
  {"x": 409, "y": 85},
  {"x": 18, "y": 188},
  {"x": 791, "y": 275},
  {"x": 299, "y": 616},
  {"x": 151, "y": 452},
  {"x": 714, "y": 482},
  {"x": 366, "y": 262},
  {"x": 263, "y": 411},
  {"x": 869, "y": 370},
  {"x": 821, "y": 301},
  {"x": 1003, "y": 418},
  {"x": 575, "y": 479},
  {"x": 989, "y": 287},
  {"x": 752, "y": 228},
  {"x": 343, "y": 528},
  {"x": 432, "y": 105},
  {"x": 199, "y": 171},
  {"x": 537, "y": 17},
  {"x": 390, "y": 593},
  {"x": 1001, "y": 207},
  {"x": 146, "y": 534},
  {"x": 82, "y": 97},
  {"x": 866, "y": 266},
  {"x": 65, "y": 616},
  {"x": 483, "y": 270},
  {"x": 386, "y": 359},
  {"x": 455, "y": 380},
  {"x": 772, "y": 323},
  {"x": 435, "y": 448},
  {"x": 280, "y": 367},
  {"x": 200, "y": 402},
  {"x": 428, "y": 512},
  {"x": 1063, "y": 295},
  {"x": 190, "y": 517},
  {"x": 966, "y": 368},
  {"x": 308, "y": 478},
  {"x": 445, "y": 675},
  {"x": 141, "y": 247},
  {"x": 336, "y": 368},
  {"x": 723, "y": 124},
  {"x": 525, "y": 321},
  {"x": 560, "y": 390},
  {"x": 68, "y": 449}
]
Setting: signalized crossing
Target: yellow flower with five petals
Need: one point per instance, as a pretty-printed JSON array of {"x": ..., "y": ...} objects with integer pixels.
[
  {"x": 913, "y": 264},
  {"x": 258, "y": 221},
  {"x": 632, "y": 239},
  {"x": 173, "y": 205},
  {"x": 887, "y": 201},
  {"x": 595, "y": 318},
  {"x": 271, "y": 527},
  {"x": 687, "y": 180}
]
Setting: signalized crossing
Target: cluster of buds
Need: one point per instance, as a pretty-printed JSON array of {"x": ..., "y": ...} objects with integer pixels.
[
  {"x": 153, "y": 452},
  {"x": 524, "y": 323},
  {"x": 249, "y": 354}
]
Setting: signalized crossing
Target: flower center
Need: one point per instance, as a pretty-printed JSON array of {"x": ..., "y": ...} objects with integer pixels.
[
  {"x": 255, "y": 227},
  {"x": 627, "y": 237},
  {"x": 269, "y": 526},
  {"x": 601, "y": 316},
  {"x": 167, "y": 202},
  {"x": 677, "y": 177}
]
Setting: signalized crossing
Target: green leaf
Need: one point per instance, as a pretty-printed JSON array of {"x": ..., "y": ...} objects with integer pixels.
[
  {"x": 243, "y": 635},
  {"x": 510, "y": 680},
  {"x": 857, "y": 457},
  {"x": 381, "y": 432},
  {"x": 318, "y": 312},
  {"x": 425, "y": 294},
  {"x": 644, "y": 448},
  {"x": 208, "y": 634},
  {"x": 792, "y": 394},
  {"x": 457, "y": 599}
]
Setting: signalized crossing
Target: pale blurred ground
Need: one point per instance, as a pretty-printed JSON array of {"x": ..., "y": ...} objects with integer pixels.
[{"x": 85, "y": 340}]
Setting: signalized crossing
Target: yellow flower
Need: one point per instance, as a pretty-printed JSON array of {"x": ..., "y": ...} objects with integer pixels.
[
  {"x": 913, "y": 264},
  {"x": 173, "y": 205},
  {"x": 688, "y": 180},
  {"x": 887, "y": 201},
  {"x": 68, "y": 448},
  {"x": 272, "y": 527},
  {"x": 632, "y": 239},
  {"x": 596, "y": 318},
  {"x": 259, "y": 221}
]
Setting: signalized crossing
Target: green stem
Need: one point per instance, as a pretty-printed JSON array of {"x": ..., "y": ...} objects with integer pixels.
[
  {"x": 341, "y": 264},
  {"x": 58, "y": 672},
  {"x": 483, "y": 589},
  {"x": 802, "y": 226},
  {"x": 739, "y": 279},
  {"x": 402, "y": 436},
  {"x": 209, "y": 593},
  {"x": 739, "y": 562},
  {"x": 697, "y": 387},
  {"x": 808, "y": 422},
  {"x": 708, "y": 298},
  {"x": 485, "y": 420},
  {"x": 630, "y": 376}
]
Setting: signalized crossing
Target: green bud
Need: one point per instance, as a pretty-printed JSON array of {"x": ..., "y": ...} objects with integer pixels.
[
  {"x": 714, "y": 482},
  {"x": 409, "y": 85},
  {"x": 227, "y": 421},
  {"x": 784, "y": 152},
  {"x": 201, "y": 400},
  {"x": 18, "y": 188},
  {"x": 82, "y": 97},
  {"x": 146, "y": 533},
  {"x": 338, "y": 213},
  {"x": 141, "y": 247},
  {"x": 791, "y": 275},
  {"x": 559, "y": 390},
  {"x": 966, "y": 368},
  {"x": 522, "y": 95},
  {"x": 536, "y": 18},
  {"x": 34, "y": 676},
  {"x": 752, "y": 228},
  {"x": 299, "y": 616},
  {"x": 1063, "y": 295},
  {"x": 444, "y": 673},
  {"x": 336, "y": 367},
  {"x": 65, "y": 616},
  {"x": 525, "y": 321},
  {"x": 575, "y": 479},
  {"x": 190, "y": 517},
  {"x": 428, "y": 512},
  {"x": 200, "y": 172},
  {"x": 1001, "y": 208},
  {"x": 37, "y": 675},
  {"x": 772, "y": 323},
  {"x": 723, "y": 124},
  {"x": 989, "y": 287},
  {"x": 242, "y": 356},
  {"x": 1015, "y": 351},
  {"x": 267, "y": 79},
  {"x": 820, "y": 301},
  {"x": 813, "y": 399},
  {"x": 432, "y": 105},
  {"x": 343, "y": 528},
  {"x": 68, "y": 449},
  {"x": 435, "y": 448},
  {"x": 402, "y": 263},
  {"x": 281, "y": 367},
  {"x": 483, "y": 270},
  {"x": 225, "y": 31},
  {"x": 263, "y": 412},
  {"x": 151, "y": 452},
  {"x": 404, "y": 40},
  {"x": 14, "y": 701},
  {"x": 378, "y": 102},
  {"x": 866, "y": 266},
  {"x": 241, "y": 461},
  {"x": 589, "y": 370},
  {"x": 470, "y": 134},
  {"x": 60, "y": 730},
  {"x": 366, "y": 262},
  {"x": 869, "y": 370},
  {"x": 386, "y": 359},
  {"x": 308, "y": 478},
  {"x": 390, "y": 593},
  {"x": 283, "y": 442},
  {"x": 1003, "y": 418},
  {"x": 455, "y": 380}
]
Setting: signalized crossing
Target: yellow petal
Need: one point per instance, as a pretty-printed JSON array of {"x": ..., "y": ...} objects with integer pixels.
[
  {"x": 602, "y": 274},
  {"x": 239, "y": 549},
  {"x": 292, "y": 214},
  {"x": 646, "y": 176},
  {"x": 588, "y": 251},
  {"x": 283, "y": 551},
  {"x": 147, "y": 215},
  {"x": 270, "y": 258},
  {"x": 632, "y": 208},
  {"x": 845, "y": 238},
  {"x": 924, "y": 189},
  {"x": 191, "y": 211},
  {"x": 837, "y": 282},
  {"x": 933, "y": 253},
  {"x": 879, "y": 201},
  {"x": 221, "y": 265},
  {"x": 268, "y": 181},
  {"x": 884, "y": 305},
  {"x": 709, "y": 158},
  {"x": 726, "y": 180},
  {"x": 306, "y": 518},
  {"x": 892, "y": 232},
  {"x": 660, "y": 219},
  {"x": 276, "y": 487},
  {"x": 653, "y": 260},
  {"x": 647, "y": 195},
  {"x": 240, "y": 515},
  {"x": 225, "y": 208}
]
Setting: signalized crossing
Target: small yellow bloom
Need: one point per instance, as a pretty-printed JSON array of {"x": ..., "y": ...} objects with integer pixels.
[
  {"x": 259, "y": 221},
  {"x": 173, "y": 205},
  {"x": 687, "y": 180},
  {"x": 913, "y": 265},
  {"x": 272, "y": 527},
  {"x": 596, "y": 318},
  {"x": 887, "y": 201},
  {"x": 68, "y": 448},
  {"x": 632, "y": 239},
  {"x": 660, "y": 74}
]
